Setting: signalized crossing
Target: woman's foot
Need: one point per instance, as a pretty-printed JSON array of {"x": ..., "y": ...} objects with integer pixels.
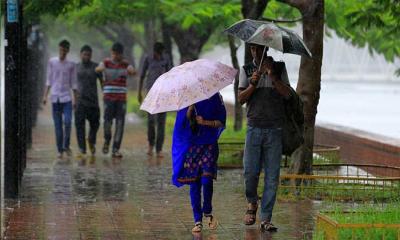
[
  {"x": 212, "y": 221},
  {"x": 198, "y": 226},
  {"x": 251, "y": 212},
  {"x": 268, "y": 226}
]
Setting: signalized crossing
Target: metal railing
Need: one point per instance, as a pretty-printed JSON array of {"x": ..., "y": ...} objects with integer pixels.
[{"x": 343, "y": 182}]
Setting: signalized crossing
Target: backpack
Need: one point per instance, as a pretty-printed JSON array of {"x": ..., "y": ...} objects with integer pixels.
[{"x": 293, "y": 128}]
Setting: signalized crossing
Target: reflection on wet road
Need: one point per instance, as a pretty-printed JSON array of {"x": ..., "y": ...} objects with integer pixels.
[{"x": 132, "y": 198}]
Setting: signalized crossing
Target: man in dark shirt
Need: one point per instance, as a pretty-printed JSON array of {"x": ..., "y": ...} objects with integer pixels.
[
  {"x": 154, "y": 66},
  {"x": 264, "y": 90},
  {"x": 87, "y": 107}
]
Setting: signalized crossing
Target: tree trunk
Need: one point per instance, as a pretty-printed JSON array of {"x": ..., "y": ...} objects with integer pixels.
[
  {"x": 166, "y": 36},
  {"x": 309, "y": 83},
  {"x": 190, "y": 41},
  {"x": 252, "y": 10},
  {"x": 238, "y": 123},
  {"x": 150, "y": 35}
]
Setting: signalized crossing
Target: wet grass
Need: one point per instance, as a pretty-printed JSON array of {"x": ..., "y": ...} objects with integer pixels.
[
  {"x": 361, "y": 215},
  {"x": 339, "y": 192}
]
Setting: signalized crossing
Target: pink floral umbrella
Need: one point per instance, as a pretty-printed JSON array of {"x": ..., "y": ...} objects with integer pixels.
[{"x": 187, "y": 84}]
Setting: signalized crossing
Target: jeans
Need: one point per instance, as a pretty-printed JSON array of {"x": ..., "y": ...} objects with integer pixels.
[
  {"x": 263, "y": 148},
  {"x": 92, "y": 114},
  {"x": 62, "y": 126},
  {"x": 160, "y": 118},
  {"x": 195, "y": 197},
  {"x": 114, "y": 110}
]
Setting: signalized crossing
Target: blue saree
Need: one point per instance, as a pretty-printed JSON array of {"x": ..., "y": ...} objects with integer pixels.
[{"x": 201, "y": 144}]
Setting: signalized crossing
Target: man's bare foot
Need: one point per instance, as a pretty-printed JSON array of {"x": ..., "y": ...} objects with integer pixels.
[
  {"x": 160, "y": 155},
  {"x": 150, "y": 151}
]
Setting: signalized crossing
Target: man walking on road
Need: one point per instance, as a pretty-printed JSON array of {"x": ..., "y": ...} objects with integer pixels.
[
  {"x": 61, "y": 79},
  {"x": 155, "y": 65},
  {"x": 116, "y": 71},
  {"x": 264, "y": 90},
  {"x": 87, "y": 107}
]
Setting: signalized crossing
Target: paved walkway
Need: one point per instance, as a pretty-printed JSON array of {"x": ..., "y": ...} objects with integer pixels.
[{"x": 132, "y": 198}]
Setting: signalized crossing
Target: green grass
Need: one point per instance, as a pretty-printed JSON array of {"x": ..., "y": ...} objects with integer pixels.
[
  {"x": 365, "y": 214},
  {"x": 339, "y": 192}
]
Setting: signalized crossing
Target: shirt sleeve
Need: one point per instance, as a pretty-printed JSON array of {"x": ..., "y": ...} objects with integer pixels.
[
  {"x": 74, "y": 77},
  {"x": 49, "y": 75},
  {"x": 243, "y": 81},
  {"x": 145, "y": 67}
]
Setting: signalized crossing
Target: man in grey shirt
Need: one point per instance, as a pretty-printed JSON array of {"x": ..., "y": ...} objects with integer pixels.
[
  {"x": 87, "y": 107},
  {"x": 264, "y": 90},
  {"x": 154, "y": 66}
]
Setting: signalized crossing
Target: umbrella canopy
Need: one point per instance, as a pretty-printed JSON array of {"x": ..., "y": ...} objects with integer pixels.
[
  {"x": 187, "y": 84},
  {"x": 269, "y": 34}
]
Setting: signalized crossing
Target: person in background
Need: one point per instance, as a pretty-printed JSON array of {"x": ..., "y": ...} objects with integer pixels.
[
  {"x": 116, "y": 70},
  {"x": 195, "y": 154},
  {"x": 154, "y": 66},
  {"x": 87, "y": 107},
  {"x": 61, "y": 80}
]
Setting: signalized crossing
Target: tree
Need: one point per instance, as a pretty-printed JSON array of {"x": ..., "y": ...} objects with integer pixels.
[
  {"x": 372, "y": 23},
  {"x": 309, "y": 83}
]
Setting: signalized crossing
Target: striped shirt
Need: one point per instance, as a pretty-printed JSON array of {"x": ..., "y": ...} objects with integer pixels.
[{"x": 115, "y": 75}]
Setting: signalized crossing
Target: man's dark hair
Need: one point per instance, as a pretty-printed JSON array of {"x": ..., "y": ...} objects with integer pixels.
[
  {"x": 118, "y": 48},
  {"x": 86, "y": 48},
  {"x": 64, "y": 44},
  {"x": 158, "y": 47},
  {"x": 258, "y": 45}
]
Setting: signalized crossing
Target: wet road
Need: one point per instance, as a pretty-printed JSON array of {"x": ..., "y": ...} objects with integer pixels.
[{"x": 132, "y": 198}]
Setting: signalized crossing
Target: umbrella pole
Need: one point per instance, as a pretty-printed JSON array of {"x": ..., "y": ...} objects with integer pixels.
[{"x": 262, "y": 58}]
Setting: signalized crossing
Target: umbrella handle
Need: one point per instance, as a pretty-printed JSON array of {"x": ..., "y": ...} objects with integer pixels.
[{"x": 262, "y": 58}]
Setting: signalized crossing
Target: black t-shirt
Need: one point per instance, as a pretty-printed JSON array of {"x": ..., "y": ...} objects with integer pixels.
[
  {"x": 265, "y": 108},
  {"x": 87, "y": 84}
]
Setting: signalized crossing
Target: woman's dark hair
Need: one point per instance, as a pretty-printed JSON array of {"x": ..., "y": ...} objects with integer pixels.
[
  {"x": 86, "y": 48},
  {"x": 118, "y": 48},
  {"x": 64, "y": 44}
]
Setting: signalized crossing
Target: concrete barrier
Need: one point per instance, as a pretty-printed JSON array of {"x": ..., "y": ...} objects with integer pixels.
[{"x": 361, "y": 147}]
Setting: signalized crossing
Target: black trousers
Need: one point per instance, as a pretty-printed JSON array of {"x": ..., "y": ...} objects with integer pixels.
[
  {"x": 83, "y": 113},
  {"x": 114, "y": 110},
  {"x": 156, "y": 121}
]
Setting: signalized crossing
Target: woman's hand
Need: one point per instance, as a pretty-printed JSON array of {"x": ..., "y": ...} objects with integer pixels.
[{"x": 200, "y": 120}]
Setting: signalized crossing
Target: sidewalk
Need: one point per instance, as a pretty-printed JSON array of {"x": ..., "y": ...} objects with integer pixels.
[{"x": 132, "y": 198}]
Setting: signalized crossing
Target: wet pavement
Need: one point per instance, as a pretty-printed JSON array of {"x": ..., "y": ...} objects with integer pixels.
[{"x": 131, "y": 198}]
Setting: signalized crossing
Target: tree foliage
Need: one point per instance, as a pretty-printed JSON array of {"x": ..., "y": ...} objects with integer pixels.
[{"x": 372, "y": 23}]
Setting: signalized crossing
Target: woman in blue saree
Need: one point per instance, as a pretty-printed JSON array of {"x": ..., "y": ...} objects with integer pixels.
[{"x": 195, "y": 154}]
